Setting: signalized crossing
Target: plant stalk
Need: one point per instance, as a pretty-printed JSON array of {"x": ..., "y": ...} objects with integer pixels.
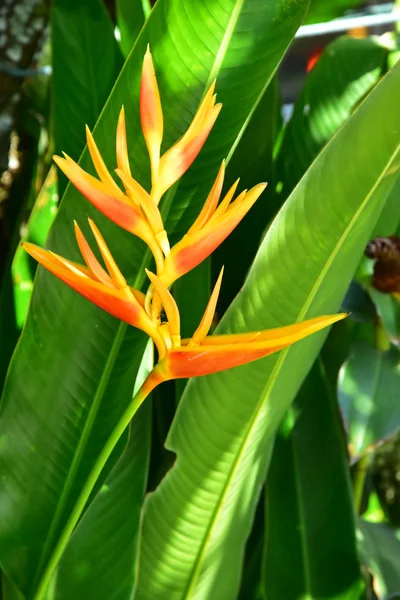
[{"x": 360, "y": 475}]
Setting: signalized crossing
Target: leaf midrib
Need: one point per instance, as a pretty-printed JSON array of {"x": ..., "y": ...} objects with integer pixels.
[
  {"x": 274, "y": 376},
  {"x": 300, "y": 505},
  {"x": 83, "y": 440}
]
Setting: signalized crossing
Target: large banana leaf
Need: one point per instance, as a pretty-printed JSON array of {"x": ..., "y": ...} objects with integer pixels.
[
  {"x": 73, "y": 370},
  {"x": 35, "y": 231},
  {"x": 131, "y": 15},
  {"x": 309, "y": 508},
  {"x": 13, "y": 216},
  {"x": 196, "y": 522},
  {"x": 369, "y": 396},
  {"x": 325, "y": 10},
  {"x": 86, "y": 61},
  {"x": 343, "y": 75},
  {"x": 380, "y": 548},
  {"x": 16, "y": 287},
  {"x": 253, "y": 161}
]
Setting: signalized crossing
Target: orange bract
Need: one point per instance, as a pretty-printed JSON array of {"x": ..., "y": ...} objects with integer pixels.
[
  {"x": 211, "y": 228},
  {"x": 105, "y": 288},
  {"x": 221, "y": 352}
]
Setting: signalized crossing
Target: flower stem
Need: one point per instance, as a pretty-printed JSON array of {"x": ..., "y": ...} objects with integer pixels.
[
  {"x": 151, "y": 381},
  {"x": 360, "y": 475}
]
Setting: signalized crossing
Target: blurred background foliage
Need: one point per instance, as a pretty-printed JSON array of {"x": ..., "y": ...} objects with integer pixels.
[{"x": 62, "y": 73}]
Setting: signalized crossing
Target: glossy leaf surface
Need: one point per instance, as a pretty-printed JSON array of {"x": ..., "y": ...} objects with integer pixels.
[
  {"x": 253, "y": 161},
  {"x": 86, "y": 61},
  {"x": 309, "y": 506},
  {"x": 369, "y": 396},
  {"x": 380, "y": 548},
  {"x": 346, "y": 71},
  {"x": 131, "y": 15},
  {"x": 325, "y": 10}
]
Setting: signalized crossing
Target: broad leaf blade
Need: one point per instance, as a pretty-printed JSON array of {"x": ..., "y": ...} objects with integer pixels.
[
  {"x": 253, "y": 161},
  {"x": 196, "y": 522},
  {"x": 35, "y": 231},
  {"x": 17, "y": 284},
  {"x": 325, "y": 10},
  {"x": 380, "y": 549},
  {"x": 86, "y": 61},
  {"x": 131, "y": 15},
  {"x": 369, "y": 396},
  {"x": 309, "y": 507},
  {"x": 388, "y": 309},
  {"x": 346, "y": 71},
  {"x": 79, "y": 361}
]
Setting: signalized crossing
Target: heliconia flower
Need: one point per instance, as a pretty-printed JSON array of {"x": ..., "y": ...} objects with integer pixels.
[
  {"x": 124, "y": 209},
  {"x": 136, "y": 210},
  {"x": 203, "y": 354},
  {"x": 211, "y": 228},
  {"x": 107, "y": 289},
  {"x": 177, "y": 160}
]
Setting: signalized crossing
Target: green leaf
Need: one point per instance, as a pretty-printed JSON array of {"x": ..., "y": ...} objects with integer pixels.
[
  {"x": 369, "y": 396},
  {"x": 380, "y": 548},
  {"x": 14, "y": 212},
  {"x": 9, "y": 330},
  {"x": 36, "y": 231},
  {"x": 374, "y": 512},
  {"x": 343, "y": 75},
  {"x": 196, "y": 522},
  {"x": 389, "y": 221},
  {"x": 325, "y": 10},
  {"x": 86, "y": 61},
  {"x": 309, "y": 507},
  {"x": 358, "y": 302},
  {"x": 17, "y": 284},
  {"x": 388, "y": 309},
  {"x": 131, "y": 15},
  {"x": 72, "y": 374},
  {"x": 8, "y": 590},
  {"x": 250, "y": 586},
  {"x": 100, "y": 560}
]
